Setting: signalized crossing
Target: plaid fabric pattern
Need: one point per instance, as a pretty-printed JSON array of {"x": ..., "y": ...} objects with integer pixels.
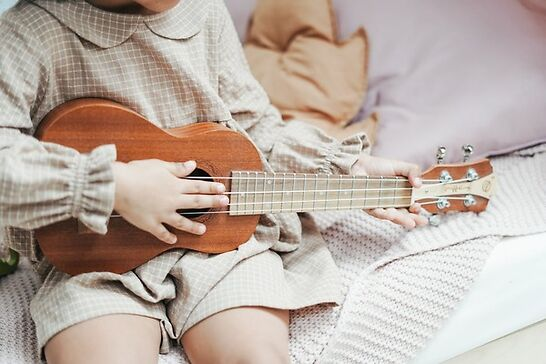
[{"x": 179, "y": 67}]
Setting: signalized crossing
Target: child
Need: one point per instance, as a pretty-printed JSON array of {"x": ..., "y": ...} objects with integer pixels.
[{"x": 175, "y": 62}]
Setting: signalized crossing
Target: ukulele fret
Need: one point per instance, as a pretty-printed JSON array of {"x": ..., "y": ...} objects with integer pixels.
[
  {"x": 366, "y": 193},
  {"x": 234, "y": 200},
  {"x": 274, "y": 207},
  {"x": 352, "y": 192},
  {"x": 304, "y": 190},
  {"x": 245, "y": 193},
  {"x": 327, "y": 191},
  {"x": 339, "y": 180},
  {"x": 256, "y": 209},
  {"x": 395, "y": 190},
  {"x": 315, "y": 192},
  {"x": 293, "y": 194},
  {"x": 343, "y": 199},
  {"x": 264, "y": 179},
  {"x": 283, "y": 191},
  {"x": 379, "y": 202}
]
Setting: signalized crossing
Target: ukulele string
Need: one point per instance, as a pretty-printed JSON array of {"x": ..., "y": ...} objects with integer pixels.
[
  {"x": 326, "y": 200},
  {"x": 343, "y": 190},
  {"x": 310, "y": 178},
  {"x": 320, "y": 208},
  {"x": 285, "y": 202},
  {"x": 429, "y": 182},
  {"x": 317, "y": 208},
  {"x": 436, "y": 182},
  {"x": 313, "y": 191},
  {"x": 258, "y": 211},
  {"x": 438, "y": 199}
]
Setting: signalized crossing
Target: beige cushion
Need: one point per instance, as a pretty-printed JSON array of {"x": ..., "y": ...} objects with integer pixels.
[{"x": 292, "y": 49}]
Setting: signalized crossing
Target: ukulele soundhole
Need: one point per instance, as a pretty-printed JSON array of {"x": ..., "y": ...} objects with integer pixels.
[{"x": 195, "y": 213}]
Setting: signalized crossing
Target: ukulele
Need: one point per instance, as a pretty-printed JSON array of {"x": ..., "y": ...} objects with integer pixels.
[{"x": 224, "y": 156}]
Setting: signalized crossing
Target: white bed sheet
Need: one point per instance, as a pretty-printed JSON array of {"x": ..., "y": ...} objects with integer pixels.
[{"x": 509, "y": 295}]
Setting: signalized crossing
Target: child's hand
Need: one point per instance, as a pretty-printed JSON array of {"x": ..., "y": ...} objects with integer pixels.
[
  {"x": 374, "y": 166},
  {"x": 148, "y": 193}
]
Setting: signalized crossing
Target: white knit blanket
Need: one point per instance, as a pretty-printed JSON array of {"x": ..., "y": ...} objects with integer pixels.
[{"x": 399, "y": 287}]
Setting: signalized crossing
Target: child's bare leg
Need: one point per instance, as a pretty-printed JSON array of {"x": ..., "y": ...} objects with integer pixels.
[
  {"x": 107, "y": 339},
  {"x": 239, "y": 335}
]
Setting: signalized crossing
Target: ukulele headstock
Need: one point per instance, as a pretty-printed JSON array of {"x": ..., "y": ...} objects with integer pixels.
[{"x": 467, "y": 186}]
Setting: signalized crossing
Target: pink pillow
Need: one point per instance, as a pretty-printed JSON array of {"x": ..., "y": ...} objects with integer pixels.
[
  {"x": 241, "y": 11},
  {"x": 446, "y": 72}
]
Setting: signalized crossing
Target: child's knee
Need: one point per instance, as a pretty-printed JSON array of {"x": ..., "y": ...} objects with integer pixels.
[
  {"x": 250, "y": 352},
  {"x": 135, "y": 339},
  {"x": 264, "y": 352},
  {"x": 239, "y": 335}
]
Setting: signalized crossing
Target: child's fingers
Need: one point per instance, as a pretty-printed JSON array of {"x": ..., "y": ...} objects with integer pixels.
[
  {"x": 201, "y": 201},
  {"x": 161, "y": 232},
  {"x": 415, "y": 208},
  {"x": 390, "y": 214},
  {"x": 180, "y": 169},
  {"x": 181, "y": 223},
  {"x": 417, "y": 219},
  {"x": 412, "y": 171},
  {"x": 420, "y": 220},
  {"x": 399, "y": 216},
  {"x": 201, "y": 187}
]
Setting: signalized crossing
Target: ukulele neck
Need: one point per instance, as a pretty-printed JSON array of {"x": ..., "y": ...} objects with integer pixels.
[{"x": 254, "y": 193}]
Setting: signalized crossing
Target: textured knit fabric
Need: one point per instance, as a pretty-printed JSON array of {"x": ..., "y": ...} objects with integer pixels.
[
  {"x": 393, "y": 303},
  {"x": 397, "y": 302},
  {"x": 183, "y": 66}
]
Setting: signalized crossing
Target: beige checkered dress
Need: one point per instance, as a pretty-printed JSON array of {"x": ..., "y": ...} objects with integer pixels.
[{"x": 179, "y": 67}]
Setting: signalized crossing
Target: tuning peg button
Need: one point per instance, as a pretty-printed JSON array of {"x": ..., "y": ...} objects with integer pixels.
[
  {"x": 472, "y": 175},
  {"x": 442, "y": 203},
  {"x": 441, "y": 154},
  {"x": 467, "y": 151},
  {"x": 469, "y": 200},
  {"x": 445, "y": 177},
  {"x": 434, "y": 220}
]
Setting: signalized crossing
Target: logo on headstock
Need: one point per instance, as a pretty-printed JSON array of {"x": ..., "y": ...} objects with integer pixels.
[{"x": 456, "y": 188}]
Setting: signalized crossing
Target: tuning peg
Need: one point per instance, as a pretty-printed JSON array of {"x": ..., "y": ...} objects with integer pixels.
[
  {"x": 434, "y": 219},
  {"x": 441, "y": 154},
  {"x": 467, "y": 151}
]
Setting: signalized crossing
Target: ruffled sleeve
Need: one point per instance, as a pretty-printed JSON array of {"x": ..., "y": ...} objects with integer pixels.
[
  {"x": 92, "y": 188},
  {"x": 44, "y": 183},
  {"x": 305, "y": 149}
]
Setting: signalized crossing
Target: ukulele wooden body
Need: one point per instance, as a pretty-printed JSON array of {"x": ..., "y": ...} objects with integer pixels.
[{"x": 85, "y": 124}]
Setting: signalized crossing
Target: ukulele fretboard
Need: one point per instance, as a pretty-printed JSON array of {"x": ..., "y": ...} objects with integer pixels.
[{"x": 254, "y": 193}]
